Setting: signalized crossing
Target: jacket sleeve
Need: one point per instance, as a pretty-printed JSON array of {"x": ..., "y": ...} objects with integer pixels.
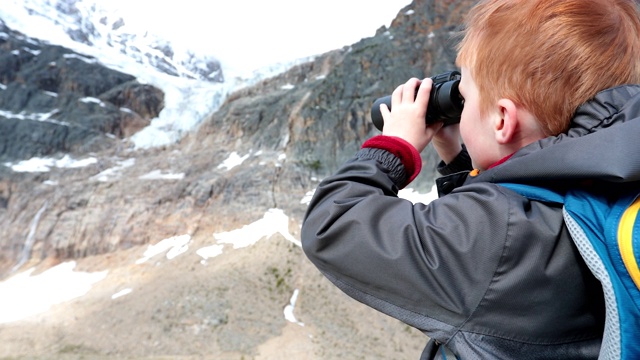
[{"x": 426, "y": 265}]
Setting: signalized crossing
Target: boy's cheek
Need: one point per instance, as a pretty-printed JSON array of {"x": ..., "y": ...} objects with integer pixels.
[{"x": 464, "y": 128}]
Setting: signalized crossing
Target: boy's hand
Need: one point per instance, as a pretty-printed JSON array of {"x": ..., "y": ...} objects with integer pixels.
[{"x": 406, "y": 119}]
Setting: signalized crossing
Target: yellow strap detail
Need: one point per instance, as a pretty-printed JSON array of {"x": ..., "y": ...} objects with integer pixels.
[{"x": 625, "y": 240}]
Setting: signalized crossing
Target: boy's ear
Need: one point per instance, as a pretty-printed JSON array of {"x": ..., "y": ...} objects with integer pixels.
[{"x": 506, "y": 125}]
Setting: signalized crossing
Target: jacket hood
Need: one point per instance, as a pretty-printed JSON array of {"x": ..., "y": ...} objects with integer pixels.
[{"x": 603, "y": 144}]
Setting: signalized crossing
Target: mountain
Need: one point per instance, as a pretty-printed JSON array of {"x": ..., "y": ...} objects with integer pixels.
[
  {"x": 90, "y": 25},
  {"x": 251, "y": 161},
  {"x": 193, "y": 81}
]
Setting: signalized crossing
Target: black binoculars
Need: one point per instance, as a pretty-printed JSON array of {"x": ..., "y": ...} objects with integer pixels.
[{"x": 445, "y": 101}]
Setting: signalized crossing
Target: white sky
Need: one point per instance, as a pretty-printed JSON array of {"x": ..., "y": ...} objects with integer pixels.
[{"x": 251, "y": 33}]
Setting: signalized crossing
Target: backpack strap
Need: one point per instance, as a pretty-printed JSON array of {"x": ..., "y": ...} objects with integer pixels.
[
  {"x": 591, "y": 244},
  {"x": 536, "y": 192}
]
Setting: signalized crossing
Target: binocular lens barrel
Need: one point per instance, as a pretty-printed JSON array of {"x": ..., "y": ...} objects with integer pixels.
[{"x": 445, "y": 101}]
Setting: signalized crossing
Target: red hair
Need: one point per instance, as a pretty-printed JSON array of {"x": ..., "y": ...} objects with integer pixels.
[{"x": 550, "y": 56}]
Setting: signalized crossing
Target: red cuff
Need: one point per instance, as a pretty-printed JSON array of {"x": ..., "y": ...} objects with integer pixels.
[{"x": 408, "y": 155}]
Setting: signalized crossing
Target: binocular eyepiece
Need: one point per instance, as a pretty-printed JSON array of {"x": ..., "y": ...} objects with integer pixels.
[{"x": 445, "y": 101}]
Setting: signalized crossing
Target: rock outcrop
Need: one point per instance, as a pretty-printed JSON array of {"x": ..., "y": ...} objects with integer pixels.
[{"x": 54, "y": 100}]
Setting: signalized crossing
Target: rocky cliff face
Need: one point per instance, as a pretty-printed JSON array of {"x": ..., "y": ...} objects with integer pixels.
[
  {"x": 303, "y": 124},
  {"x": 289, "y": 131},
  {"x": 53, "y": 100},
  {"x": 316, "y": 115}
]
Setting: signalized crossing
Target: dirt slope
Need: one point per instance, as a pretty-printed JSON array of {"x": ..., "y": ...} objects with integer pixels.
[{"x": 227, "y": 307}]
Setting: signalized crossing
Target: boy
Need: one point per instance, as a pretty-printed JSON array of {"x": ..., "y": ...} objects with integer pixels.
[{"x": 483, "y": 271}]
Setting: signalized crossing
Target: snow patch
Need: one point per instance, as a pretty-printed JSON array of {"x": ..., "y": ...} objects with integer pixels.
[
  {"x": 25, "y": 295},
  {"x": 172, "y": 246},
  {"x": 273, "y": 222}
]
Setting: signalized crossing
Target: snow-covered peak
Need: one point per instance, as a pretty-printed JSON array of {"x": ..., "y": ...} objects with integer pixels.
[
  {"x": 192, "y": 81},
  {"x": 89, "y": 22}
]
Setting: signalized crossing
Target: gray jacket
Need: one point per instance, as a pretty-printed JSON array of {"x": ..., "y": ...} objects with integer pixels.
[{"x": 482, "y": 270}]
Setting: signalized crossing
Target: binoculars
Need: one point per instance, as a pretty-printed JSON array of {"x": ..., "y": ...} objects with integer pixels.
[{"x": 445, "y": 101}]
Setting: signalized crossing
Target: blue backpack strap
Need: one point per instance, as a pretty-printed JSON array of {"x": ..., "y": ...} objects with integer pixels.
[{"x": 536, "y": 193}]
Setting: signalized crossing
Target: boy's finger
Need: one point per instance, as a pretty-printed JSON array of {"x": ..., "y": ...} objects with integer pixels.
[
  {"x": 409, "y": 91},
  {"x": 385, "y": 112},
  {"x": 396, "y": 95}
]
